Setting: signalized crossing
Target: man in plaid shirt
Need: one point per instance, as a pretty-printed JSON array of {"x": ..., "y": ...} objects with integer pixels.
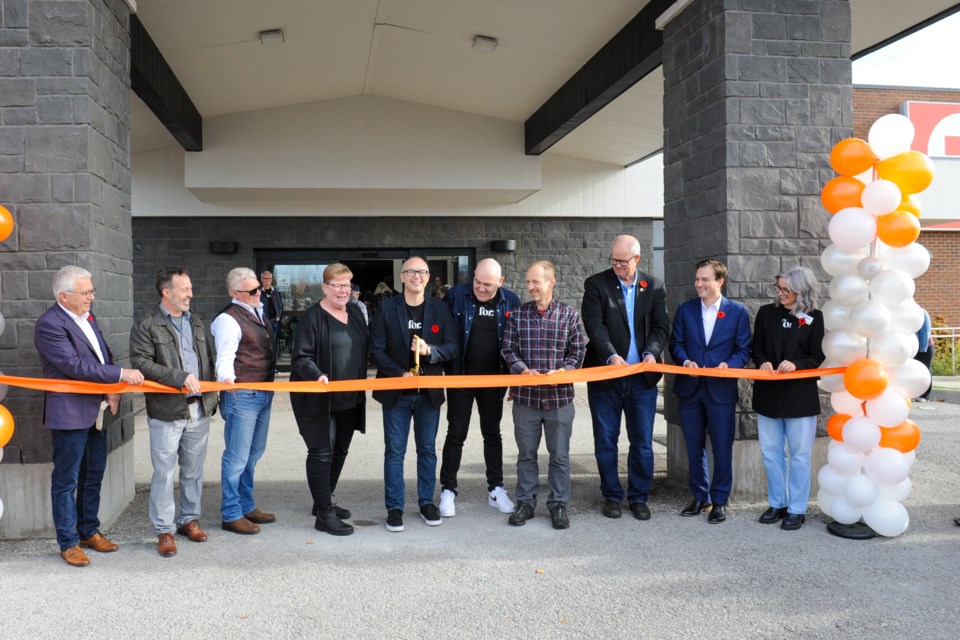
[{"x": 543, "y": 336}]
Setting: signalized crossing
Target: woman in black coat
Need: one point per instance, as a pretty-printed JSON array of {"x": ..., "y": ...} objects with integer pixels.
[
  {"x": 331, "y": 343},
  {"x": 787, "y": 337}
]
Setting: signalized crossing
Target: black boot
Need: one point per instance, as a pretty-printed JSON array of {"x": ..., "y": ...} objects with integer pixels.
[{"x": 327, "y": 521}]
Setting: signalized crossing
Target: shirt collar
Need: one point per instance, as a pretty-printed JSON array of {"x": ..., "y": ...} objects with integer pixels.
[
  {"x": 636, "y": 276},
  {"x": 715, "y": 305},
  {"x": 76, "y": 318},
  {"x": 166, "y": 313},
  {"x": 253, "y": 310}
]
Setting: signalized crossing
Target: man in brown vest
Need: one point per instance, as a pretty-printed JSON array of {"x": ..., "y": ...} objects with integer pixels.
[{"x": 245, "y": 353}]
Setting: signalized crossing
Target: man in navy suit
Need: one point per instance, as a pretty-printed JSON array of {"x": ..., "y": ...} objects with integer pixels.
[
  {"x": 71, "y": 347},
  {"x": 411, "y": 334},
  {"x": 709, "y": 332}
]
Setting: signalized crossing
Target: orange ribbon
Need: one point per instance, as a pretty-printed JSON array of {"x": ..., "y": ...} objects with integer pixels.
[{"x": 593, "y": 374}]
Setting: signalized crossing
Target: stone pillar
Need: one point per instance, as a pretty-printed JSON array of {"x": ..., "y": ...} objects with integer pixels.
[
  {"x": 65, "y": 176},
  {"x": 756, "y": 93}
]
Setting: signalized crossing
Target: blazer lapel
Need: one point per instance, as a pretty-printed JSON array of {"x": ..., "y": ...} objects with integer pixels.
[
  {"x": 616, "y": 292},
  {"x": 404, "y": 322},
  {"x": 75, "y": 329},
  {"x": 697, "y": 310}
]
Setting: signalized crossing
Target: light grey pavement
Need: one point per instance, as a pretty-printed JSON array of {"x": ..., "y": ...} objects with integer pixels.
[{"x": 477, "y": 577}]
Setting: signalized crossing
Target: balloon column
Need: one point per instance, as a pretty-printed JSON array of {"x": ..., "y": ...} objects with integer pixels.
[
  {"x": 6, "y": 420},
  {"x": 871, "y": 321}
]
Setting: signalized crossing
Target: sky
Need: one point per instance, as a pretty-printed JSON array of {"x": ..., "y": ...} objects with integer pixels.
[{"x": 928, "y": 58}]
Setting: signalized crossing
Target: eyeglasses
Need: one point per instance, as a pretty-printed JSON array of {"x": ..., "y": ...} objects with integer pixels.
[
  {"x": 620, "y": 263},
  {"x": 86, "y": 294},
  {"x": 252, "y": 292},
  {"x": 423, "y": 273},
  {"x": 338, "y": 287},
  {"x": 779, "y": 289}
]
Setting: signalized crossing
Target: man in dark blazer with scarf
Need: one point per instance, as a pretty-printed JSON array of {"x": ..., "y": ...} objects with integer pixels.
[
  {"x": 71, "y": 347},
  {"x": 709, "y": 331},
  {"x": 624, "y": 313}
]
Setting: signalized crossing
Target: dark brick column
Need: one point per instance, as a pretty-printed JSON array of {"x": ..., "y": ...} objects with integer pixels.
[
  {"x": 65, "y": 176},
  {"x": 756, "y": 92}
]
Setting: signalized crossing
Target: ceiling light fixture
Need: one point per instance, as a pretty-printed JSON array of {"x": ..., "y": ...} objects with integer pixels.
[
  {"x": 485, "y": 43},
  {"x": 271, "y": 37}
]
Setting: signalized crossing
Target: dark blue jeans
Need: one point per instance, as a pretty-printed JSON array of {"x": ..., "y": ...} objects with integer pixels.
[
  {"x": 396, "y": 432},
  {"x": 79, "y": 460},
  {"x": 631, "y": 398}
]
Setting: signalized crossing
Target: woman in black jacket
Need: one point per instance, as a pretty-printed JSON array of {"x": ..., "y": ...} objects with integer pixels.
[
  {"x": 331, "y": 343},
  {"x": 787, "y": 337}
]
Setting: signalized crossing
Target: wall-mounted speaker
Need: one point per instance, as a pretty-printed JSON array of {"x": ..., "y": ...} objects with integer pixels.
[
  {"x": 503, "y": 245},
  {"x": 223, "y": 247}
]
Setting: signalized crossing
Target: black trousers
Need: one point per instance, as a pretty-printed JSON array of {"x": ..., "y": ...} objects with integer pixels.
[
  {"x": 459, "y": 410},
  {"x": 325, "y": 460}
]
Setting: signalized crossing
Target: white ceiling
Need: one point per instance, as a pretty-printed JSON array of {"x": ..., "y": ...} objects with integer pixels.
[{"x": 421, "y": 51}]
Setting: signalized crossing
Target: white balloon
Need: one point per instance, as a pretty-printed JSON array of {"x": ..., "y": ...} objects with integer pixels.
[
  {"x": 844, "y": 402},
  {"x": 844, "y": 347},
  {"x": 891, "y": 287},
  {"x": 861, "y": 491},
  {"x": 833, "y": 382},
  {"x": 829, "y": 479},
  {"x": 913, "y": 259},
  {"x": 1, "y": 454},
  {"x": 886, "y": 517},
  {"x": 868, "y": 318},
  {"x": 836, "y": 260},
  {"x": 889, "y": 409},
  {"x": 897, "y": 492},
  {"x": 852, "y": 228},
  {"x": 886, "y": 466},
  {"x": 833, "y": 443},
  {"x": 843, "y": 512},
  {"x": 845, "y": 460},
  {"x": 866, "y": 177},
  {"x": 861, "y": 433},
  {"x": 849, "y": 289},
  {"x": 869, "y": 267},
  {"x": 824, "y": 499},
  {"x": 880, "y": 197},
  {"x": 906, "y": 317},
  {"x": 835, "y": 315},
  {"x": 910, "y": 457},
  {"x": 891, "y": 348},
  {"x": 890, "y": 135},
  {"x": 910, "y": 379},
  {"x": 1, "y": 508}
]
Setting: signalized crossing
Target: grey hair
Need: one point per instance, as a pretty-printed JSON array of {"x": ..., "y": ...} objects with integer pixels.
[
  {"x": 802, "y": 282},
  {"x": 236, "y": 276},
  {"x": 634, "y": 244},
  {"x": 65, "y": 278}
]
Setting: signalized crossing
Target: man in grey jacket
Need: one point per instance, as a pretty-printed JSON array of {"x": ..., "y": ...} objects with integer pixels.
[{"x": 171, "y": 346}]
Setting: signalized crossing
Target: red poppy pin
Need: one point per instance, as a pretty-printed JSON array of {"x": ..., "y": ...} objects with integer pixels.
[
  {"x": 803, "y": 322},
  {"x": 507, "y": 314},
  {"x": 721, "y": 315},
  {"x": 90, "y": 317},
  {"x": 643, "y": 284},
  {"x": 435, "y": 328}
]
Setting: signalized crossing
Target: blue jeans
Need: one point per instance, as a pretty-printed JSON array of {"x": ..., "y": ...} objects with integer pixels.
[
  {"x": 628, "y": 396},
  {"x": 790, "y": 489},
  {"x": 396, "y": 432},
  {"x": 247, "y": 419},
  {"x": 79, "y": 460}
]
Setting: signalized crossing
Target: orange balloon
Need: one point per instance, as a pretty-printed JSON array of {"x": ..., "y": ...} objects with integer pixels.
[
  {"x": 865, "y": 379},
  {"x": 840, "y": 193},
  {"x": 912, "y": 171},
  {"x": 904, "y": 437},
  {"x": 898, "y": 229},
  {"x": 852, "y": 156},
  {"x": 911, "y": 204},
  {"x": 835, "y": 426},
  {"x": 6, "y": 426},
  {"x": 6, "y": 223}
]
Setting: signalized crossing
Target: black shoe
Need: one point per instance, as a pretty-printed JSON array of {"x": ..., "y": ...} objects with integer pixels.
[
  {"x": 522, "y": 513},
  {"x": 343, "y": 514},
  {"x": 718, "y": 514},
  {"x": 328, "y": 521},
  {"x": 956, "y": 521},
  {"x": 431, "y": 515},
  {"x": 559, "y": 517},
  {"x": 395, "y": 520},
  {"x": 640, "y": 510},
  {"x": 771, "y": 515},
  {"x": 793, "y": 521},
  {"x": 695, "y": 508},
  {"x": 611, "y": 509}
]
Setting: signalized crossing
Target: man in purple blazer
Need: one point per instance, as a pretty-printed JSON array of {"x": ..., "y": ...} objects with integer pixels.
[
  {"x": 71, "y": 347},
  {"x": 709, "y": 331}
]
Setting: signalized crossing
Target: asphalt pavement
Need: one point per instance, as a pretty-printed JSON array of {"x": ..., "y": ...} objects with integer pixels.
[{"x": 477, "y": 577}]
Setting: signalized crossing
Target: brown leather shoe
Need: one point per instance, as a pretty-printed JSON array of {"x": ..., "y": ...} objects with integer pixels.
[
  {"x": 241, "y": 526},
  {"x": 260, "y": 517},
  {"x": 75, "y": 557},
  {"x": 193, "y": 531},
  {"x": 99, "y": 542},
  {"x": 166, "y": 546}
]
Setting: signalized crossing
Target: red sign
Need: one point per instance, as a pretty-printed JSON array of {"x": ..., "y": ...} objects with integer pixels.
[{"x": 937, "y": 126}]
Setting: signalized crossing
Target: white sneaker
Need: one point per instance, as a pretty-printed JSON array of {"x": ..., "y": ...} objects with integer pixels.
[
  {"x": 499, "y": 499},
  {"x": 448, "y": 507}
]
